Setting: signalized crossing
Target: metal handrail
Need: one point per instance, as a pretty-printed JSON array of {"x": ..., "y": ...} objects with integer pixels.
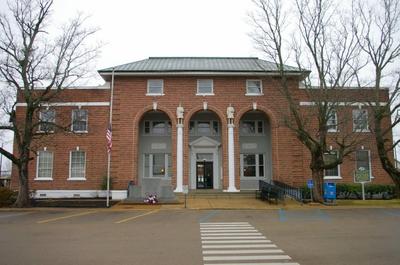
[{"x": 294, "y": 193}]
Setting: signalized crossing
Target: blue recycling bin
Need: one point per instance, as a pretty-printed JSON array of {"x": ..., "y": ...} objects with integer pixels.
[{"x": 329, "y": 191}]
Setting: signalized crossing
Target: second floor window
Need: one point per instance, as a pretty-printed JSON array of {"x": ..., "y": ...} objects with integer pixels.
[
  {"x": 360, "y": 120},
  {"x": 155, "y": 87},
  {"x": 47, "y": 119},
  {"x": 205, "y": 87},
  {"x": 79, "y": 120},
  {"x": 332, "y": 122},
  {"x": 254, "y": 87}
]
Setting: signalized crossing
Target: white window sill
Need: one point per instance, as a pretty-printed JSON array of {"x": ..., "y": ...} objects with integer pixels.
[
  {"x": 155, "y": 94},
  {"x": 44, "y": 132},
  {"x": 43, "y": 179},
  {"x": 80, "y": 131},
  {"x": 205, "y": 94},
  {"x": 253, "y": 94},
  {"x": 76, "y": 179},
  {"x": 332, "y": 177},
  {"x": 333, "y": 131},
  {"x": 362, "y": 131}
]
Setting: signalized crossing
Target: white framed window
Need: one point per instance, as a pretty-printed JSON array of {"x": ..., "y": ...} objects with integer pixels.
[
  {"x": 48, "y": 118},
  {"x": 204, "y": 128},
  {"x": 44, "y": 165},
  {"x": 332, "y": 122},
  {"x": 363, "y": 161},
  {"x": 332, "y": 173},
  {"x": 254, "y": 87},
  {"x": 252, "y": 165},
  {"x": 79, "y": 120},
  {"x": 205, "y": 87},
  {"x": 157, "y": 128},
  {"x": 155, "y": 87},
  {"x": 77, "y": 165},
  {"x": 360, "y": 120},
  {"x": 251, "y": 127},
  {"x": 157, "y": 165}
]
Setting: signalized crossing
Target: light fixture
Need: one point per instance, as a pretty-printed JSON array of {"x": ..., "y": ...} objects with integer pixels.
[
  {"x": 254, "y": 105},
  {"x": 205, "y": 105},
  {"x": 154, "y": 105}
]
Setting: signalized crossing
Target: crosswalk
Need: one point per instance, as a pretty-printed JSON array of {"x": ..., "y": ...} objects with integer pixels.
[{"x": 239, "y": 243}]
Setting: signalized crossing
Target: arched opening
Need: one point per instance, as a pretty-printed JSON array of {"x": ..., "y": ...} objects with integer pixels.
[
  {"x": 255, "y": 149},
  {"x": 154, "y": 152},
  {"x": 205, "y": 159}
]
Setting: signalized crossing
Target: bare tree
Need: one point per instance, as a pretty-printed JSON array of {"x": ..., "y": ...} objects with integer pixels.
[
  {"x": 324, "y": 43},
  {"x": 37, "y": 66},
  {"x": 377, "y": 27}
]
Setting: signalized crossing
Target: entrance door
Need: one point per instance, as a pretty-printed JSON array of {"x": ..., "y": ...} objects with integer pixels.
[{"x": 204, "y": 175}]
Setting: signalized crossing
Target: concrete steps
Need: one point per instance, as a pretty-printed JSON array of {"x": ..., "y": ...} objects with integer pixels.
[{"x": 216, "y": 194}]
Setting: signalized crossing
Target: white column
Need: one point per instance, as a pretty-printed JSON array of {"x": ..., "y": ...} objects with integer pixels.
[
  {"x": 231, "y": 159},
  {"x": 179, "y": 158}
]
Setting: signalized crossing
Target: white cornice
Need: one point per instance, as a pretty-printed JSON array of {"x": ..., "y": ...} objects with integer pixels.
[
  {"x": 69, "y": 104},
  {"x": 310, "y": 103}
]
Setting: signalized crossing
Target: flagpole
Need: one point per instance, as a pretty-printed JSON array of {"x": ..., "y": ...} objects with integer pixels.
[{"x": 109, "y": 150}]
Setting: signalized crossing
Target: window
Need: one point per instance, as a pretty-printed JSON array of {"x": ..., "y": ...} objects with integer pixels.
[
  {"x": 252, "y": 165},
  {"x": 48, "y": 117},
  {"x": 332, "y": 172},
  {"x": 44, "y": 165},
  {"x": 157, "y": 165},
  {"x": 205, "y": 87},
  {"x": 332, "y": 122},
  {"x": 77, "y": 165},
  {"x": 155, "y": 87},
  {"x": 204, "y": 128},
  {"x": 360, "y": 120},
  {"x": 79, "y": 120},
  {"x": 253, "y": 87},
  {"x": 363, "y": 161},
  {"x": 251, "y": 127},
  {"x": 157, "y": 128}
]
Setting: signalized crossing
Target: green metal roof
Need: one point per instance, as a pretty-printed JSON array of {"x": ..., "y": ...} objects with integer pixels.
[{"x": 198, "y": 64}]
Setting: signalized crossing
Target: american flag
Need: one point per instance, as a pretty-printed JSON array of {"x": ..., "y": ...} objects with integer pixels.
[{"x": 109, "y": 138}]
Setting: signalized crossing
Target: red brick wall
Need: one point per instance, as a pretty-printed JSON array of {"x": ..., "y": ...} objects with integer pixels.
[{"x": 289, "y": 157}]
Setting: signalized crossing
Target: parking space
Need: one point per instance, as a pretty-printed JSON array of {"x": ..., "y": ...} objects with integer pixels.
[{"x": 157, "y": 236}]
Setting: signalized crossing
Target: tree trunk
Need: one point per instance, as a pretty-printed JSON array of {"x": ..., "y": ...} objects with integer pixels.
[
  {"x": 318, "y": 179},
  {"x": 396, "y": 181},
  {"x": 23, "y": 199}
]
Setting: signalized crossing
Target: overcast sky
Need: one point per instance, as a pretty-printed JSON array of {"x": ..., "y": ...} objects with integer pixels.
[{"x": 136, "y": 29}]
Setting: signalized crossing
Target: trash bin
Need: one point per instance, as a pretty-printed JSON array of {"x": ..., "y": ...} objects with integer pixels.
[{"x": 330, "y": 191}]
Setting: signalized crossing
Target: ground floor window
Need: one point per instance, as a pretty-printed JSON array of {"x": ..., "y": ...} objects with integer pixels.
[
  {"x": 44, "y": 165},
  {"x": 332, "y": 172},
  {"x": 77, "y": 165},
  {"x": 252, "y": 165},
  {"x": 157, "y": 165},
  {"x": 363, "y": 161}
]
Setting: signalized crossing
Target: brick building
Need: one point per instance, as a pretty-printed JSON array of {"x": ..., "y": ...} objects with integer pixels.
[{"x": 209, "y": 123}]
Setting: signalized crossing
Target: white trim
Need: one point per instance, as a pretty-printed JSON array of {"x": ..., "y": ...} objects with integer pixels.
[
  {"x": 332, "y": 177},
  {"x": 47, "y": 194},
  {"x": 195, "y": 73},
  {"x": 106, "y": 85},
  {"x": 68, "y": 104},
  {"x": 43, "y": 179},
  {"x": 76, "y": 179},
  {"x": 310, "y": 103}
]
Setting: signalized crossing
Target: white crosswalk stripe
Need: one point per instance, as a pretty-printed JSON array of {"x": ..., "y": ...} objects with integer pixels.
[{"x": 239, "y": 243}]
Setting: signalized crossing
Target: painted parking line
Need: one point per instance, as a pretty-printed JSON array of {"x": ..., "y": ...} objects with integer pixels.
[
  {"x": 135, "y": 217},
  {"x": 235, "y": 248},
  {"x": 65, "y": 217}
]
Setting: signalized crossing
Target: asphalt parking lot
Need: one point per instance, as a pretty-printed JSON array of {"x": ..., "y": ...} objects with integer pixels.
[{"x": 154, "y": 236}]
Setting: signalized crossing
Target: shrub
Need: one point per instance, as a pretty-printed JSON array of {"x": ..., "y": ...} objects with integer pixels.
[
  {"x": 353, "y": 191},
  {"x": 7, "y": 197}
]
